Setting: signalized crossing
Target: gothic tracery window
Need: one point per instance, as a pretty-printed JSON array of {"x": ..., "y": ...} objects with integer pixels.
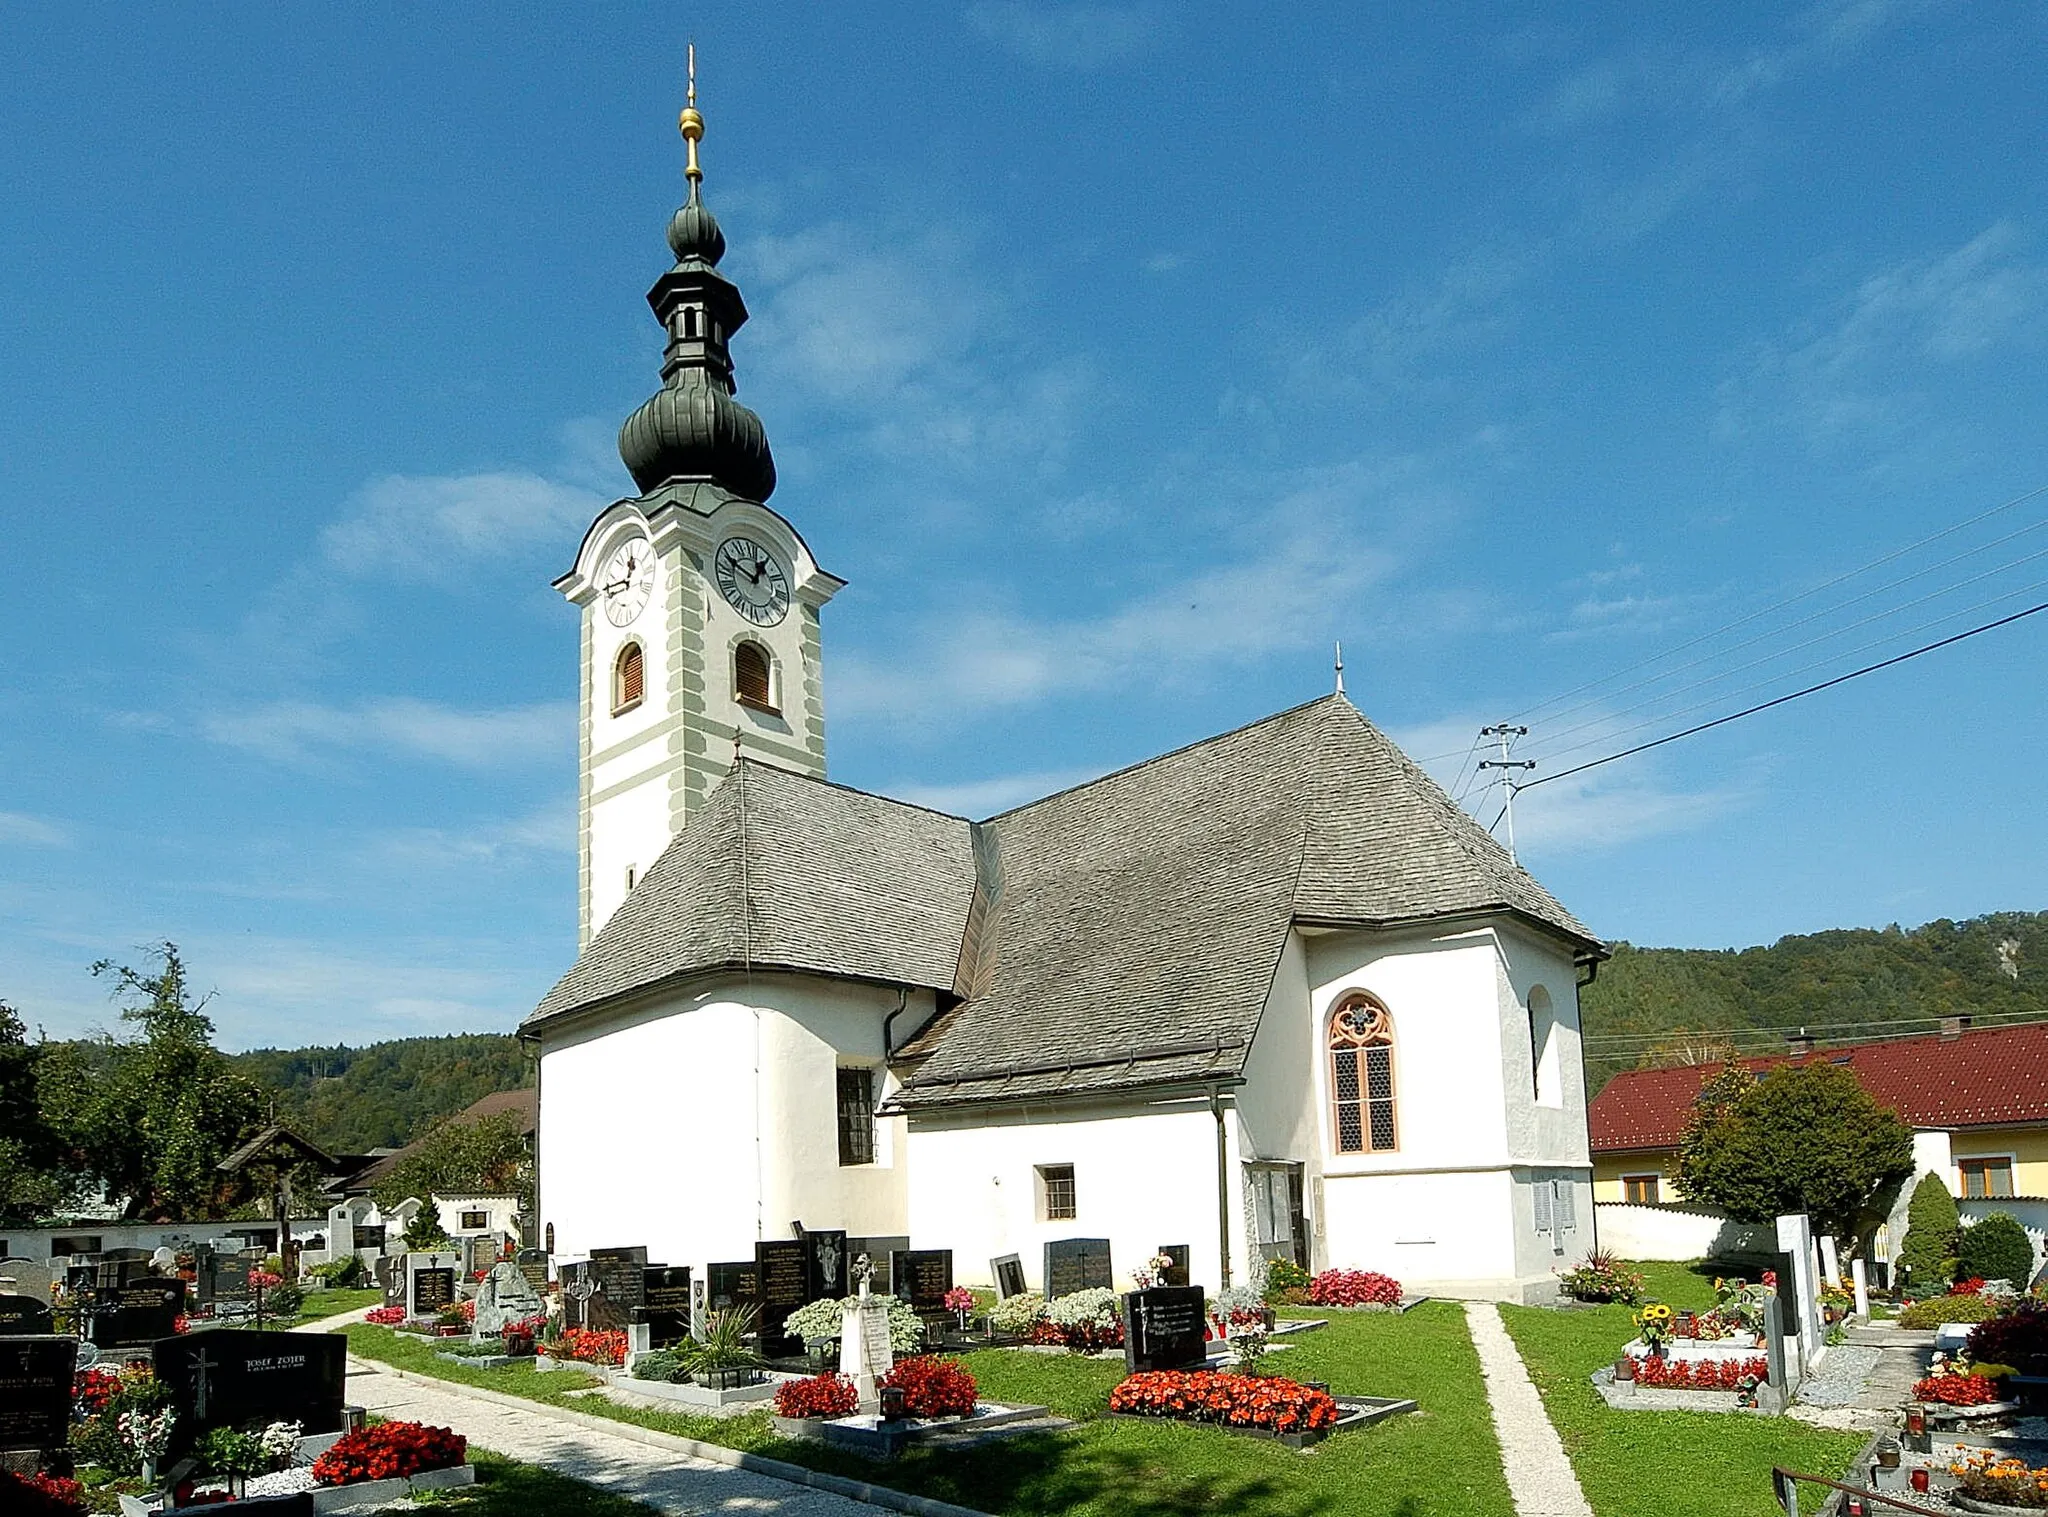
[{"x": 1362, "y": 1075}]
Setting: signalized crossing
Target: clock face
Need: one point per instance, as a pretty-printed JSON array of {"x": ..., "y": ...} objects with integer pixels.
[
  {"x": 627, "y": 580},
  {"x": 750, "y": 578}
]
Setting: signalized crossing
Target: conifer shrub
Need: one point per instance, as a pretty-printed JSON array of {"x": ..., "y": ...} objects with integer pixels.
[
  {"x": 1927, "y": 1259},
  {"x": 1996, "y": 1248}
]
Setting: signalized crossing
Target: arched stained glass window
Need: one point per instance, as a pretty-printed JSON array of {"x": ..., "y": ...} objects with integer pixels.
[{"x": 1362, "y": 1075}]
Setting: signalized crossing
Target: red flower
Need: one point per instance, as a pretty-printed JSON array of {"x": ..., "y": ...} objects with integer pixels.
[
  {"x": 590, "y": 1346},
  {"x": 386, "y": 1316},
  {"x": 41, "y": 1495},
  {"x": 1354, "y": 1287},
  {"x": 1276, "y": 1405},
  {"x": 1701, "y": 1374},
  {"x": 1956, "y": 1390},
  {"x": 933, "y": 1387},
  {"x": 819, "y": 1396},
  {"x": 389, "y": 1451}
]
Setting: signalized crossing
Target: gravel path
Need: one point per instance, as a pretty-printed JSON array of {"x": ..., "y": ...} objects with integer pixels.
[
  {"x": 1841, "y": 1377},
  {"x": 669, "y": 1482},
  {"x": 1539, "y": 1475}
]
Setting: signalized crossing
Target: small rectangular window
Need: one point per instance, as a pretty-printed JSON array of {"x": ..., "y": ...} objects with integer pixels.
[
  {"x": 82, "y": 1245},
  {"x": 1986, "y": 1177},
  {"x": 856, "y": 1116},
  {"x": 1642, "y": 1190},
  {"x": 1056, "y": 1187},
  {"x": 475, "y": 1221}
]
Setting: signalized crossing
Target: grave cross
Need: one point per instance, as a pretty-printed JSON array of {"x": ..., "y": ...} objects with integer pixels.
[{"x": 201, "y": 1363}]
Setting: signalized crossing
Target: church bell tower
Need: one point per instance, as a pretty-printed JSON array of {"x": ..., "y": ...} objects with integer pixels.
[{"x": 699, "y": 604}]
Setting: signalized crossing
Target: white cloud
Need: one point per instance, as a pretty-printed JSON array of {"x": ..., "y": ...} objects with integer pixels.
[
  {"x": 434, "y": 528},
  {"x": 32, "y": 831},
  {"x": 516, "y": 841},
  {"x": 280, "y": 992},
  {"x": 1080, "y": 37},
  {"x": 980, "y": 799},
  {"x": 296, "y": 730},
  {"x": 1860, "y": 364}
]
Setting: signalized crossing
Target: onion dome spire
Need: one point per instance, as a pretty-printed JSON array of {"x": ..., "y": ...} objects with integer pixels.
[{"x": 692, "y": 428}]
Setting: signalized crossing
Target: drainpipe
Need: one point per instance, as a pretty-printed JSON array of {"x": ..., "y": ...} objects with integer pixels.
[
  {"x": 902, "y": 1000},
  {"x": 1222, "y": 1183}
]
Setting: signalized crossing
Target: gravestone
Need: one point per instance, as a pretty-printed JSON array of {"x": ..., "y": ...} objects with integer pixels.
[
  {"x": 1076, "y": 1264},
  {"x": 533, "y": 1263},
  {"x": 138, "y": 1313},
  {"x": 615, "y": 1276},
  {"x": 229, "y": 1275},
  {"x": 503, "y": 1297},
  {"x": 922, "y": 1276},
  {"x": 1795, "y": 1237},
  {"x": 35, "y": 1392},
  {"x": 1008, "y": 1270},
  {"x": 782, "y": 1283},
  {"x": 1177, "y": 1271},
  {"x": 391, "y": 1278},
  {"x": 25, "y": 1277},
  {"x": 224, "y": 1378},
  {"x": 865, "y": 1352},
  {"x": 732, "y": 1284},
  {"x": 23, "y": 1316},
  {"x": 429, "y": 1283},
  {"x": 1165, "y": 1328},
  {"x": 665, "y": 1304},
  {"x": 826, "y": 1264}
]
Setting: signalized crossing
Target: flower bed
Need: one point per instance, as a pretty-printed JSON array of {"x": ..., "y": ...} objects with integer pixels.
[
  {"x": 40, "y": 1495},
  {"x": 1354, "y": 1287},
  {"x": 589, "y": 1346},
  {"x": 389, "y": 1451},
  {"x": 933, "y": 1387},
  {"x": 819, "y": 1396},
  {"x": 1602, "y": 1277},
  {"x": 1267, "y": 1404},
  {"x": 1986, "y": 1476},
  {"x": 386, "y": 1316},
  {"x": 2018, "y": 1337},
  {"x": 1957, "y": 1390},
  {"x": 1701, "y": 1374}
]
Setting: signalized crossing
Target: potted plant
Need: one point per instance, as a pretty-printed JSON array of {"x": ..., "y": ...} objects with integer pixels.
[
  {"x": 1654, "y": 1324},
  {"x": 960, "y": 1302},
  {"x": 1741, "y": 1306},
  {"x": 720, "y": 1357}
]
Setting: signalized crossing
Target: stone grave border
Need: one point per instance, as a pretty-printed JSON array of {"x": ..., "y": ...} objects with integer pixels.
[{"x": 1353, "y": 1412}]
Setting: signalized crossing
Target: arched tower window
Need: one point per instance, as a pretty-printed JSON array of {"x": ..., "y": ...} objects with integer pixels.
[
  {"x": 753, "y": 676},
  {"x": 1545, "y": 1075},
  {"x": 629, "y": 679},
  {"x": 1362, "y": 1075}
]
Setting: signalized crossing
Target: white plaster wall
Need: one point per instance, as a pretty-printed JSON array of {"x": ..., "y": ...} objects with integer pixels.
[
  {"x": 1546, "y": 1118},
  {"x": 1141, "y": 1179},
  {"x": 706, "y": 1120},
  {"x": 1932, "y": 1154},
  {"x": 1444, "y": 1233}
]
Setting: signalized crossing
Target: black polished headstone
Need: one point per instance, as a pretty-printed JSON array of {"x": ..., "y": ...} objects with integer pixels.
[
  {"x": 433, "y": 1289},
  {"x": 138, "y": 1313},
  {"x": 922, "y": 1276},
  {"x": 615, "y": 1276},
  {"x": 828, "y": 1265},
  {"x": 1165, "y": 1328},
  {"x": 35, "y": 1391},
  {"x": 230, "y": 1277},
  {"x": 1009, "y": 1272},
  {"x": 1177, "y": 1271},
  {"x": 223, "y": 1378},
  {"x": 665, "y": 1305},
  {"x": 1076, "y": 1264},
  {"x": 782, "y": 1283},
  {"x": 732, "y": 1284},
  {"x": 23, "y": 1316}
]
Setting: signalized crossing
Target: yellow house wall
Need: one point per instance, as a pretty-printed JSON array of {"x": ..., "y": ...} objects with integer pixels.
[
  {"x": 2026, "y": 1146},
  {"x": 1608, "y": 1170}
]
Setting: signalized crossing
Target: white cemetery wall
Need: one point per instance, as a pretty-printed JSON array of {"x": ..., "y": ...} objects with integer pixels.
[
  {"x": 501, "y": 1215},
  {"x": 657, "y": 1121},
  {"x": 2031, "y": 1212},
  {"x": 34, "y": 1242},
  {"x": 1144, "y": 1174},
  {"x": 1677, "y": 1230}
]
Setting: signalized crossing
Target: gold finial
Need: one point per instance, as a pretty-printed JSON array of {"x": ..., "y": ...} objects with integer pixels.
[{"x": 691, "y": 125}]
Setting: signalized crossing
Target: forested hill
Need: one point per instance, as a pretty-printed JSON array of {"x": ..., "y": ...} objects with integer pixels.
[
  {"x": 1989, "y": 965},
  {"x": 350, "y": 1100}
]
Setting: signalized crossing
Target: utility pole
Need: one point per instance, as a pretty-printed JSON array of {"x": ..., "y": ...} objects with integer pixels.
[{"x": 1507, "y": 735}]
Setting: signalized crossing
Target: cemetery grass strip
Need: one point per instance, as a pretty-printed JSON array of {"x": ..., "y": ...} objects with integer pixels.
[
  {"x": 319, "y": 1304},
  {"x": 1442, "y": 1461},
  {"x": 1676, "y": 1464},
  {"x": 507, "y": 1488}
]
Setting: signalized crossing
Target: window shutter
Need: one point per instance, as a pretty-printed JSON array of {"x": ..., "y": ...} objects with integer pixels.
[{"x": 1539, "y": 1195}]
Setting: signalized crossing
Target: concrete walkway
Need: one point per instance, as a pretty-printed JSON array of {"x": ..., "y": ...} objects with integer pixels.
[{"x": 1539, "y": 1475}]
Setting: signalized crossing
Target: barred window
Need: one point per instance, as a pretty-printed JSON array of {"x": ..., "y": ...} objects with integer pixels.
[
  {"x": 856, "y": 1116},
  {"x": 1056, "y": 1192},
  {"x": 628, "y": 679},
  {"x": 1362, "y": 1075}
]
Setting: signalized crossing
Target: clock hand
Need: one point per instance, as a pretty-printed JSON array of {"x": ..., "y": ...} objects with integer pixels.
[{"x": 617, "y": 584}]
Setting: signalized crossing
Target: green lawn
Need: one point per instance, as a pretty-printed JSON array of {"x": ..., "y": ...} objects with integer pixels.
[
  {"x": 318, "y": 1304},
  {"x": 507, "y": 1488},
  {"x": 1440, "y": 1462},
  {"x": 1674, "y": 1464}
]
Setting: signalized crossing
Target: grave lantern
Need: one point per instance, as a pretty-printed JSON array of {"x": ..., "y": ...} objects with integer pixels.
[{"x": 895, "y": 1405}]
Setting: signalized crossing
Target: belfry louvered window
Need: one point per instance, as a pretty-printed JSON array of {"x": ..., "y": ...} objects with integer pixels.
[
  {"x": 629, "y": 676},
  {"x": 753, "y": 679},
  {"x": 1362, "y": 1075}
]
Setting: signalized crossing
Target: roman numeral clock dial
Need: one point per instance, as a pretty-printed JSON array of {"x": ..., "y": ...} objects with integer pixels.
[{"x": 751, "y": 580}]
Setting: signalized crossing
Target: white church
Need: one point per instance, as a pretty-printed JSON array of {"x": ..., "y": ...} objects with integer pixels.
[{"x": 1272, "y": 995}]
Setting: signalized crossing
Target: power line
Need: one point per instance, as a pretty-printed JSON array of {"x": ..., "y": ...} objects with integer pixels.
[
  {"x": 1828, "y": 684},
  {"x": 1741, "y": 621}
]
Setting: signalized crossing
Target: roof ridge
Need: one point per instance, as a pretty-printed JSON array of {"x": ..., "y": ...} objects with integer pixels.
[
  {"x": 831, "y": 784},
  {"x": 1160, "y": 758}
]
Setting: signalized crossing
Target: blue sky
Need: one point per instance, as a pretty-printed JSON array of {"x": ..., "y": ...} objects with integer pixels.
[{"x": 1122, "y": 356}]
